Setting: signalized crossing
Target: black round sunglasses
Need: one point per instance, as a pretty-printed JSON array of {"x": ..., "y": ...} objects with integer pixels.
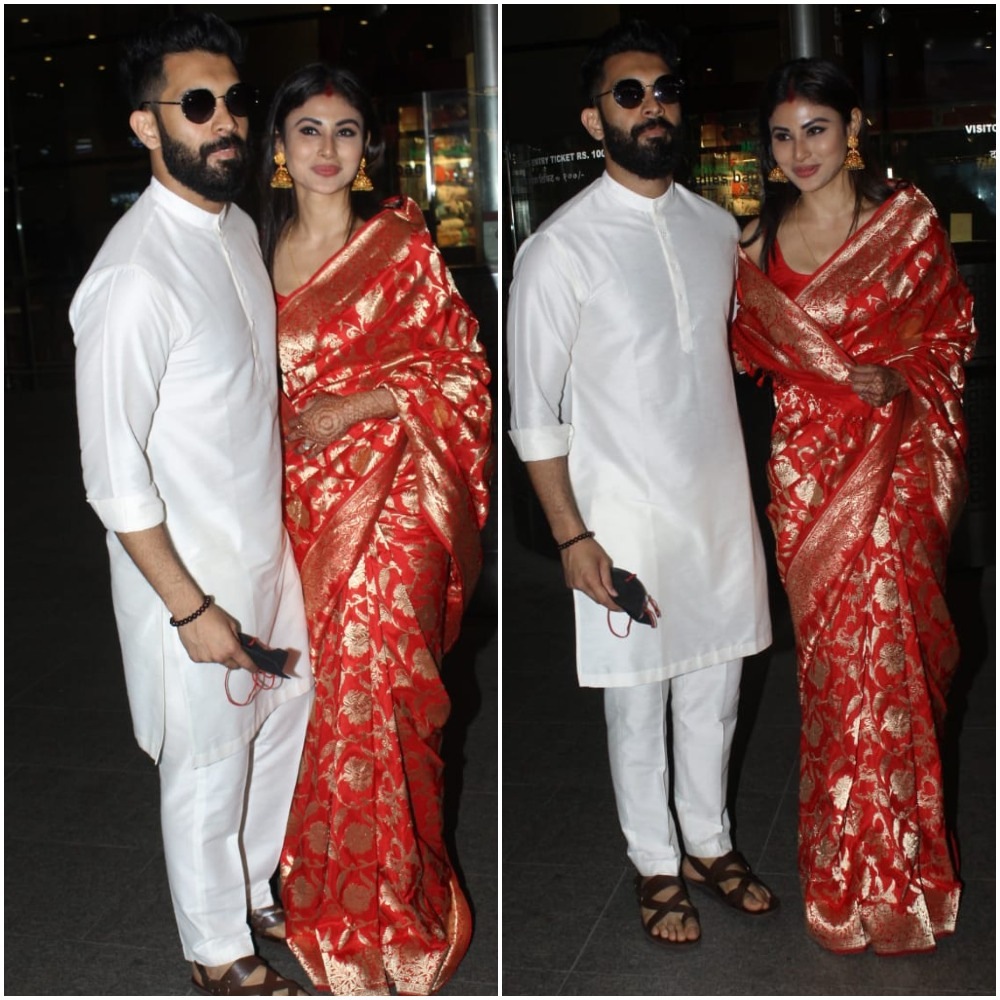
[
  {"x": 198, "y": 106},
  {"x": 629, "y": 94}
]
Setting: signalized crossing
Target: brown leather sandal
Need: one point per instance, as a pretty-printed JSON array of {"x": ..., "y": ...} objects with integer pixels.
[
  {"x": 723, "y": 869},
  {"x": 232, "y": 983},
  {"x": 647, "y": 888},
  {"x": 263, "y": 922}
]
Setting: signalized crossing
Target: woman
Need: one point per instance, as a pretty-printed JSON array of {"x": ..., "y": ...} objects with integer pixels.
[
  {"x": 850, "y": 300},
  {"x": 388, "y": 435}
]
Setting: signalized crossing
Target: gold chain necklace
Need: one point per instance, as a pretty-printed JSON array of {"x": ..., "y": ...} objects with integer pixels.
[
  {"x": 297, "y": 271},
  {"x": 816, "y": 260}
]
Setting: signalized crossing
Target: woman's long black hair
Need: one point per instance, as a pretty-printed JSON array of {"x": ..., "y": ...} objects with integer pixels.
[
  {"x": 278, "y": 206},
  {"x": 820, "y": 82}
]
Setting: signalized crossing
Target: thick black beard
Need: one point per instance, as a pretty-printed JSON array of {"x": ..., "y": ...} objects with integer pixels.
[
  {"x": 219, "y": 183},
  {"x": 653, "y": 159}
]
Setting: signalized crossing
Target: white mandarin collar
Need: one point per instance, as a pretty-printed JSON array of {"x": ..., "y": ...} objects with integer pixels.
[
  {"x": 184, "y": 210},
  {"x": 638, "y": 202}
]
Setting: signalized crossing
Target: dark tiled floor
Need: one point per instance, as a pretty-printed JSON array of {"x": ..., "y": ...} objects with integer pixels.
[
  {"x": 87, "y": 909},
  {"x": 570, "y": 920}
]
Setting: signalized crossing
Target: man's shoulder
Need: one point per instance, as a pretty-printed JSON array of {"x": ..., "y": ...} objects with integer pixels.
[
  {"x": 124, "y": 247},
  {"x": 572, "y": 212},
  {"x": 128, "y": 268},
  {"x": 562, "y": 233},
  {"x": 240, "y": 221},
  {"x": 707, "y": 211}
]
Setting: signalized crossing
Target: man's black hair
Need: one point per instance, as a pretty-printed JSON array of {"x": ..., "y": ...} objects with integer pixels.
[
  {"x": 631, "y": 36},
  {"x": 142, "y": 61}
]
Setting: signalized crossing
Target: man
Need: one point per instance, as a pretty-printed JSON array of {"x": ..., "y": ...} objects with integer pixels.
[
  {"x": 623, "y": 409},
  {"x": 177, "y": 400}
]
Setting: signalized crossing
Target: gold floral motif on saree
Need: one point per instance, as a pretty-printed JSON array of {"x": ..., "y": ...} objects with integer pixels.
[
  {"x": 385, "y": 527},
  {"x": 863, "y": 563}
]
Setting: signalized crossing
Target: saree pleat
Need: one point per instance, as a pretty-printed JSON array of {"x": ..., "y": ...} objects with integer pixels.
[
  {"x": 385, "y": 527},
  {"x": 863, "y": 503}
]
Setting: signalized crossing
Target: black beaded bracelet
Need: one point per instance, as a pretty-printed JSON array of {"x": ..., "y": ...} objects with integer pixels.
[
  {"x": 205, "y": 604},
  {"x": 574, "y": 540}
]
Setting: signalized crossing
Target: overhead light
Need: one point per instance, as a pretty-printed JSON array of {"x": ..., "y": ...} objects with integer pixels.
[
  {"x": 102, "y": 68},
  {"x": 429, "y": 45},
  {"x": 25, "y": 20},
  {"x": 91, "y": 37},
  {"x": 48, "y": 58},
  {"x": 363, "y": 23}
]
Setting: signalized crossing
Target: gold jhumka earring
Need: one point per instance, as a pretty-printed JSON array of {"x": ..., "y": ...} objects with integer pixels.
[
  {"x": 362, "y": 182},
  {"x": 853, "y": 159},
  {"x": 777, "y": 175},
  {"x": 282, "y": 179}
]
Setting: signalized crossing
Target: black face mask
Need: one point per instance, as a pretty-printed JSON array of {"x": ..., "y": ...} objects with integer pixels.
[{"x": 633, "y": 600}]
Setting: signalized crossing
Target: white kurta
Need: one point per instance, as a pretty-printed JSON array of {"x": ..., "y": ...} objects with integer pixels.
[
  {"x": 618, "y": 357},
  {"x": 177, "y": 398}
]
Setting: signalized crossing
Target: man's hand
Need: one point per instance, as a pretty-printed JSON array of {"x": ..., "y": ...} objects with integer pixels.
[
  {"x": 212, "y": 638},
  {"x": 876, "y": 384},
  {"x": 588, "y": 569}
]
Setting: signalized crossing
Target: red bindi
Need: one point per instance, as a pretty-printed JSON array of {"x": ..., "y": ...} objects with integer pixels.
[{"x": 329, "y": 90}]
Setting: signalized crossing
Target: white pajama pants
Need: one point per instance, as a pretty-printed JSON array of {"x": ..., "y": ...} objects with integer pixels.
[
  {"x": 223, "y": 828},
  {"x": 703, "y": 707}
]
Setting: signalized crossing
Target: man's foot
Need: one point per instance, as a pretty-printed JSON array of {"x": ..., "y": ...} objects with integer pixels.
[
  {"x": 249, "y": 977},
  {"x": 268, "y": 922},
  {"x": 668, "y": 916},
  {"x": 730, "y": 880}
]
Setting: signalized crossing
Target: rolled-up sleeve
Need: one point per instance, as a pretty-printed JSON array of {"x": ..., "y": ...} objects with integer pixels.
[
  {"x": 122, "y": 331},
  {"x": 543, "y": 316}
]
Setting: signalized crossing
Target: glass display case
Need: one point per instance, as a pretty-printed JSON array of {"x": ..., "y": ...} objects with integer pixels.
[
  {"x": 436, "y": 167},
  {"x": 538, "y": 179},
  {"x": 724, "y": 168}
]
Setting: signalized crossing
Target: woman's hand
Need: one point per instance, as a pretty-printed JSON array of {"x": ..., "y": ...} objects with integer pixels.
[
  {"x": 329, "y": 417},
  {"x": 876, "y": 384},
  {"x": 325, "y": 420}
]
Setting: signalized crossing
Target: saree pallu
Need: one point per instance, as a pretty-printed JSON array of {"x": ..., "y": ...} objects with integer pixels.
[
  {"x": 385, "y": 527},
  {"x": 863, "y": 503}
]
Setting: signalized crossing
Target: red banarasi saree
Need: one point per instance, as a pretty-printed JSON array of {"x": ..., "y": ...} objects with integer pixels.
[
  {"x": 863, "y": 503},
  {"x": 385, "y": 526}
]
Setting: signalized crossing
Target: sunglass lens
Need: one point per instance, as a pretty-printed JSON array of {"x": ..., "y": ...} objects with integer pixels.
[
  {"x": 628, "y": 93},
  {"x": 240, "y": 98},
  {"x": 198, "y": 106},
  {"x": 668, "y": 89}
]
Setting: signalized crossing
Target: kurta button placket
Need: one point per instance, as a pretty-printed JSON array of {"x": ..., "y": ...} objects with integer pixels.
[
  {"x": 259, "y": 375},
  {"x": 671, "y": 258}
]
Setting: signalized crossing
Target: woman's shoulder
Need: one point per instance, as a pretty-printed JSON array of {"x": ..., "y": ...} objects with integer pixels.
[
  {"x": 752, "y": 240},
  {"x": 402, "y": 216},
  {"x": 404, "y": 209},
  {"x": 905, "y": 205}
]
